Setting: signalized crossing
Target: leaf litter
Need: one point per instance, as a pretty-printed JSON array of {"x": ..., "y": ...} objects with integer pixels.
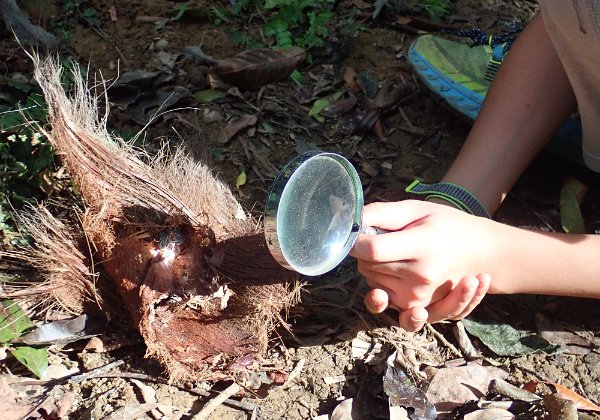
[{"x": 265, "y": 150}]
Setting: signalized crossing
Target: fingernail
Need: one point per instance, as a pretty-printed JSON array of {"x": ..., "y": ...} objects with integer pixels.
[{"x": 418, "y": 320}]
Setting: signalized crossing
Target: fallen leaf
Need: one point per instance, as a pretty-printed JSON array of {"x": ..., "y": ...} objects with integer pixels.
[
  {"x": 368, "y": 84},
  {"x": 379, "y": 5},
  {"x": 349, "y": 77},
  {"x": 240, "y": 180},
  {"x": 489, "y": 414},
  {"x": 112, "y": 11},
  {"x": 209, "y": 95},
  {"x": 36, "y": 360},
  {"x": 389, "y": 95},
  {"x": 256, "y": 68},
  {"x": 339, "y": 107},
  {"x": 148, "y": 110},
  {"x": 571, "y": 196},
  {"x": 581, "y": 403},
  {"x": 343, "y": 411},
  {"x": 453, "y": 386},
  {"x": 560, "y": 408},
  {"x": 13, "y": 321},
  {"x": 322, "y": 103},
  {"x": 234, "y": 126},
  {"x": 12, "y": 406},
  {"x": 556, "y": 334},
  {"x": 63, "y": 331},
  {"x": 195, "y": 53},
  {"x": 368, "y": 121},
  {"x": 403, "y": 393},
  {"x": 504, "y": 340}
]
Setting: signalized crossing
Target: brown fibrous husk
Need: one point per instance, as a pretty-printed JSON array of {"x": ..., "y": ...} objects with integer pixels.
[{"x": 190, "y": 265}]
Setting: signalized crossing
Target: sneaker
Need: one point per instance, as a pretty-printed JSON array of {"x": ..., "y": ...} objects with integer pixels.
[
  {"x": 458, "y": 72},
  {"x": 462, "y": 74}
]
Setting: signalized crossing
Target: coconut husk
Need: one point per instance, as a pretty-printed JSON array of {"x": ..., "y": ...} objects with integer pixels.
[{"x": 189, "y": 264}]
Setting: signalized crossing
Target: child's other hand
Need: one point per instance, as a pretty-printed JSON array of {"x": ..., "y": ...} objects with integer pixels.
[{"x": 424, "y": 267}]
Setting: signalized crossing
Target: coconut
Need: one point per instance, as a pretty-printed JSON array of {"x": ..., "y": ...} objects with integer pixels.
[{"x": 189, "y": 264}]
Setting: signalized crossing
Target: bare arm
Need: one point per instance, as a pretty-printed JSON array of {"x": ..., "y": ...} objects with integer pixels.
[{"x": 436, "y": 263}]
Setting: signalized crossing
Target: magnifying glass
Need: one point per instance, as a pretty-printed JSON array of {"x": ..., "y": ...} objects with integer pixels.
[{"x": 313, "y": 213}]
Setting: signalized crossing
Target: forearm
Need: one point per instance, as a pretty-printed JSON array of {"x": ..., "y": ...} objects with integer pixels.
[
  {"x": 535, "y": 262},
  {"x": 528, "y": 102}
]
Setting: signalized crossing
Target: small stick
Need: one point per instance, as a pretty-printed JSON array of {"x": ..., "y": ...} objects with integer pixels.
[
  {"x": 143, "y": 377},
  {"x": 217, "y": 401},
  {"x": 95, "y": 373},
  {"x": 443, "y": 340},
  {"x": 464, "y": 342}
]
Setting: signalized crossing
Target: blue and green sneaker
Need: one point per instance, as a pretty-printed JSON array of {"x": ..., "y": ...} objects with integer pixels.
[{"x": 462, "y": 73}]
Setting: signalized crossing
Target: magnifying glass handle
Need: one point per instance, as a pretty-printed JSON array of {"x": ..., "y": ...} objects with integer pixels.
[{"x": 371, "y": 230}]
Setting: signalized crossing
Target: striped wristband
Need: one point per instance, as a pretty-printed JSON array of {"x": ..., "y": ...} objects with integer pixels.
[{"x": 455, "y": 194}]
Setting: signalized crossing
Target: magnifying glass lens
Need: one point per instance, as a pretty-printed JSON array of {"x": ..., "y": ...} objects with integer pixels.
[{"x": 317, "y": 211}]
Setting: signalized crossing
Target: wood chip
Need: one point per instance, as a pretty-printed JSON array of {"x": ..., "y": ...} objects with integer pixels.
[{"x": 329, "y": 380}]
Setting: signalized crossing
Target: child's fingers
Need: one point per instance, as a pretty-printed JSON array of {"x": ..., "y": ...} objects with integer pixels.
[
  {"x": 484, "y": 284},
  {"x": 455, "y": 302},
  {"x": 376, "y": 301},
  {"x": 413, "y": 319},
  {"x": 395, "y": 215}
]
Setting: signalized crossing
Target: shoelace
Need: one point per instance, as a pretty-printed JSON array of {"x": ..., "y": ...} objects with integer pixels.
[
  {"x": 481, "y": 38},
  {"x": 500, "y": 44}
]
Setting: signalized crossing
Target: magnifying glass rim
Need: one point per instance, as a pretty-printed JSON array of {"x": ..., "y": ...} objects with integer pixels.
[{"x": 276, "y": 192}]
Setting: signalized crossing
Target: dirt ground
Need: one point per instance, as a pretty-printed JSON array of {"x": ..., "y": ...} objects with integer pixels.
[{"x": 329, "y": 327}]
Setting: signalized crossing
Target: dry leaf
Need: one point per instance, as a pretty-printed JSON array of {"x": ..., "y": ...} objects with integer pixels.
[
  {"x": 390, "y": 94},
  {"x": 556, "y": 334},
  {"x": 403, "y": 393},
  {"x": 490, "y": 414},
  {"x": 256, "y": 68},
  {"x": 343, "y": 411},
  {"x": 339, "y": 107},
  {"x": 12, "y": 406},
  {"x": 454, "y": 386},
  {"x": 234, "y": 126},
  {"x": 368, "y": 121},
  {"x": 112, "y": 11},
  {"x": 349, "y": 77},
  {"x": 580, "y": 402}
]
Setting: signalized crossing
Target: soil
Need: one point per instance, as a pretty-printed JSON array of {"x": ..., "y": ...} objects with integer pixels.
[{"x": 423, "y": 135}]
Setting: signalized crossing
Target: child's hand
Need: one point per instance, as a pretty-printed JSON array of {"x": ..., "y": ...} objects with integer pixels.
[{"x": 431, "y": 266}]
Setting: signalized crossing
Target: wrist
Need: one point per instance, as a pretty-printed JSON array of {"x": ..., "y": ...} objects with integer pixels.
[{"x": 458, "y": 196}]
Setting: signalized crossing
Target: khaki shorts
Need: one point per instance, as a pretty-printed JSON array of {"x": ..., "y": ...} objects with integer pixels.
[{"x": 574, "y": 28}]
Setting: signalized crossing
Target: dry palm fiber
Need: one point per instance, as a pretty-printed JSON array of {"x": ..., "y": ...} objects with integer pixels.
[{"x": 190, "y": 266}]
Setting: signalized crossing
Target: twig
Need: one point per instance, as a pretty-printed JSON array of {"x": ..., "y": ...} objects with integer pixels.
[
  {"x": 105, "y": 36},
  {"x": 143, "y": 377},
  {"x": 35, "y": 409},
  {"x": 464, "y": 342},
  {"x": 96, "y": 373},
  {"x": 443, "y": 340},
  {"x": 217, "y": 401}
]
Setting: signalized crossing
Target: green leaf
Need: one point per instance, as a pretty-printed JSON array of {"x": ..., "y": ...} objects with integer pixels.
[
  {"x": 209, "y": 95},
  {"x": 504, "y": 340},
  {"x": 297, "y": 77},
  {"x": 13, "y": 321},
  {"x": 241, "y": 179},
  {"x": 571, "y": 196},
  {"x": 34, "y": 359},
  {"x": 321, "y": 103}
]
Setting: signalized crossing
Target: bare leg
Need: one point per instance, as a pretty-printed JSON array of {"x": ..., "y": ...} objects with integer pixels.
[{"x": 529, "y": 100}]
